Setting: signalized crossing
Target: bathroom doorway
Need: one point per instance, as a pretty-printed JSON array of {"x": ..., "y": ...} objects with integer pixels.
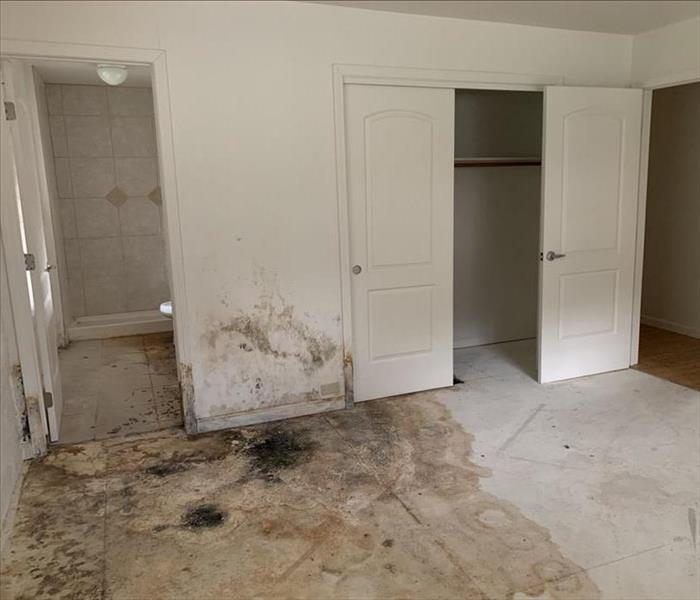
[{"x": 103, "y": 228}]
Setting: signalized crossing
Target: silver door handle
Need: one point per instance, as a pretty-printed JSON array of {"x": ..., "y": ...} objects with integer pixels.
[
  {"x": 551, "y": 255},
  {"x": 50, "y": 267}
]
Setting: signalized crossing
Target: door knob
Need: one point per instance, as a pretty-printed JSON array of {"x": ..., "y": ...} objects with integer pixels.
[
  {"x": 49, "y": 268},
  {"x": 551, "y": 255},
  {"x": 357, "y": 269}
]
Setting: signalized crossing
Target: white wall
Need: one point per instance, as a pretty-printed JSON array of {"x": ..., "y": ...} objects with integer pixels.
[
  {"x": 668, "y": 54},
  {"x": 11, "y": 455},
  {"x": 252, "y": 115},
  {"x": 671, "y": 275}
]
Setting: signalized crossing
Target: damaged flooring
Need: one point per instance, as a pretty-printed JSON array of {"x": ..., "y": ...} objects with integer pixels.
[
  {"x": 119, "y": 386},
  {"x": 495, "y": 488}
]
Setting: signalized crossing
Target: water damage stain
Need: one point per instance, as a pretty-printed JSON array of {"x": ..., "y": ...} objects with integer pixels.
[
  {"x": 275, "y": 331},
  {"x": 277, "y": 450},
  {"x": 203, "y": 450},
  {"x": 270, "y": 328},
  {"x": 165, "y": 468},
  {"x": 203, "y": 516},
  {"x": 381, "y": 501}
]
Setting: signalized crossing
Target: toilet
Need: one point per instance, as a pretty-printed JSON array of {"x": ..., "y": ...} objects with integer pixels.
[{"x": 166, "y": 309}]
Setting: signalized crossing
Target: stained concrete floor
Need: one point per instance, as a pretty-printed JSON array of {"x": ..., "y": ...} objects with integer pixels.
[{"x": 495, "y": 488}]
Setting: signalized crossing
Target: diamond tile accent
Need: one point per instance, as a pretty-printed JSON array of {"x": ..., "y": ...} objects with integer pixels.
[
  {"x": 155, "y": 196},
  {"x": 117, "y": 197}
]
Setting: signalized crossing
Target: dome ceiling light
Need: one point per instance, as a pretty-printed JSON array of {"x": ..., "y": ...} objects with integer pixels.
[{"x": 112, "y": 74}]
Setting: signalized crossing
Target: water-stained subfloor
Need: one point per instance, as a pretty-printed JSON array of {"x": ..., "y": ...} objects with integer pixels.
[
  {"x": 495, "y": 488},
  {"x": 382, "y": 501}
]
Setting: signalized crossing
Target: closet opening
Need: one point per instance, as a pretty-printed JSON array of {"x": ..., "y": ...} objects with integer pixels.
[{"x": 497, "y": 205}]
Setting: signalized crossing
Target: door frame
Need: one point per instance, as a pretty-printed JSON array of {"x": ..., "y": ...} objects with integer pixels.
[
  {"x": 346, "y": 74},
  {"x": 28, "y": 382},
  {"x": 648, "y": 88},
  {"x": 156, "y": 60}
]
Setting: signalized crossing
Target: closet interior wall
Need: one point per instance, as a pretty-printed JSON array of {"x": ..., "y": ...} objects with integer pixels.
[{"x": 497, "y": 217}]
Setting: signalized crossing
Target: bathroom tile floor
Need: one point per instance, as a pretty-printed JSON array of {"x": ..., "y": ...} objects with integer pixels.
[{"x": 119, "y": 386}]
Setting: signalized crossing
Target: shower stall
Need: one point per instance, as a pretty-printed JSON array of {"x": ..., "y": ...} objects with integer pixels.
[{"x": 102, "y": 164}]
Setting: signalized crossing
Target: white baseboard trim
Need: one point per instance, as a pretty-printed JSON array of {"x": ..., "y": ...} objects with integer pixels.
[
  {"x": 671, "y": 326},
  {"x": 118, "y": 325},
  {"x": 264, "y": 415},
  {"x": 470, "y": 343}
]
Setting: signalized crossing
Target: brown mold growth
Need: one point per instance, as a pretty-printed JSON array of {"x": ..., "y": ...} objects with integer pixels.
[
  {"x": 273, "y": 329},
  {"x": 263, "y": 356},
  {"x": 35, "y": 424},
  {"x": 348, "y": 374},
  {"x": 381, "y": 501},
  {"x": 276, "y": 332},
  {"x": 187, "y": 392},
  {"x": 17, "y": 384}
]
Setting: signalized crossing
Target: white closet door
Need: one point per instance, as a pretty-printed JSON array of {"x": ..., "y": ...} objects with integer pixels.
[
  {"x": 400, "y": 161},
  {"x": 590, "y": 180}
]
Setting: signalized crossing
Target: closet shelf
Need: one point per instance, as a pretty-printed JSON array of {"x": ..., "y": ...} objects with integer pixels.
[{"x": 508, "y": 161}]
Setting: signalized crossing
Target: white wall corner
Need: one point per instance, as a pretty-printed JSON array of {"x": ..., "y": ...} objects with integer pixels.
[{"x": 666, "y": 56}]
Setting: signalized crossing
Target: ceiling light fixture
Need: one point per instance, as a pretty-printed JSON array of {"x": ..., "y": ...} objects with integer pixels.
[{"x": 112, "y": 74}]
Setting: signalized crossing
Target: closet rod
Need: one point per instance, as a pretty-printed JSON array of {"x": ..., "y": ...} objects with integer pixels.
[{"x": 497, "y": 162}]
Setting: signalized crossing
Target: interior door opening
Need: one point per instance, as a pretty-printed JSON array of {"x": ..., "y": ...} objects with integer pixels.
[
  {"x": 95, "y": 211},
  {"x": 497, "y": 197},
  {"x": 669, "y": 338}
]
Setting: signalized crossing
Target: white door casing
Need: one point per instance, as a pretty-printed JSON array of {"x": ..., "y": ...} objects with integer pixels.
[
  {"x": 19, "y": 89},
  {"x": 400, "y": 156},
  {"x": 591, "y": 153}
]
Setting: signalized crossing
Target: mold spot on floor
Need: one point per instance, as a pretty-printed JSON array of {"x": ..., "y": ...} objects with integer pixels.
[
  {"x": 275, "y": 452},
  {"x": 165, "y": 468},
  {"x": 204, "y": 516}
]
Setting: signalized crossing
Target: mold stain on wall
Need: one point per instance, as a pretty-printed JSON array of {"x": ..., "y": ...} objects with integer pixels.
[
  {"x": 265, "y": 356},
  {"x": 276, "y": 332},
  {"x": 184, "y": 372},
  {"x": 381, "y": 501}
]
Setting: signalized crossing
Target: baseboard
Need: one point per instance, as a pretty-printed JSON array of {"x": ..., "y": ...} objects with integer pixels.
[
  {"x": 118, "y": 325},
  {"x": 9, "y": 517},
  {"x": 470, "y": 343},
  {"x": 264, "y": 415},
  {"x": 671, "y": 326}
]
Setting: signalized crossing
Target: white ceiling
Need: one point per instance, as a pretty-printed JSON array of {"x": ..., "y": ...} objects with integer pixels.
[
  {"x": 68, "y": 72},
  {"x": 626, "y": 16}
]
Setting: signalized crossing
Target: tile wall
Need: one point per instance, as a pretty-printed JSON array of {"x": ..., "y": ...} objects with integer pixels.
[{"x": 104, "y": 149}]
